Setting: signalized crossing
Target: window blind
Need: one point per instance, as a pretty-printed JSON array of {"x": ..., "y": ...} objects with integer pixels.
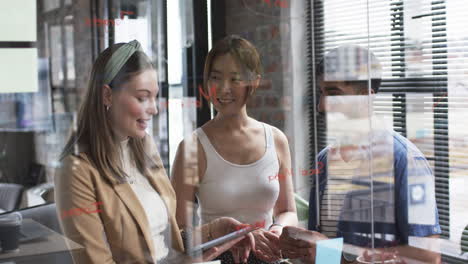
[{"x": 423, "y": 48}]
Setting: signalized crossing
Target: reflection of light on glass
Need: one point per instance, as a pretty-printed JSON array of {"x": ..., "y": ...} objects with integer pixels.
[
  {"x": 457, "y": 65},
  {"x": 360, "y": 194},
  {"x": 129, "y": 29},
  {"x": 69, "y": 47},
  {"x": 343, "y": 24},
  {"x": 56, "y": 55},
  {"x": 139, "y": 28},
  {"x": 210, "y": 34},
  {"x": 175, "y": 128},
  {"x": 175, "y": 73},
  {"x": 174, "y": 38}
]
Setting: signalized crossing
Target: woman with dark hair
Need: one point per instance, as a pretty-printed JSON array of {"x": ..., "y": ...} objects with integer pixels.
[
  {"x": 228, "y": 164},
  {"x": 112, "y": 174}
]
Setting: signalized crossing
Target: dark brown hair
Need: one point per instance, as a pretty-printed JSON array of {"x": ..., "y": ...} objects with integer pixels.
[
  {"x": 359, "y": 86},
  {"x": 243, "y": 52},
  {"x": 332, "y": 58}
]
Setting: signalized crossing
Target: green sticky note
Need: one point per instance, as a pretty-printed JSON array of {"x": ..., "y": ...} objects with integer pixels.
[{"x": 329, "y": 251}]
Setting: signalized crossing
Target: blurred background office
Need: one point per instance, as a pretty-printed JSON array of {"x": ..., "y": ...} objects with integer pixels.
[{"x": 47, "y": 48}]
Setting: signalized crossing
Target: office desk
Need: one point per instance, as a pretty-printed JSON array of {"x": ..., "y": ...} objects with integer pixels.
[{"x": 44, "y": 249}]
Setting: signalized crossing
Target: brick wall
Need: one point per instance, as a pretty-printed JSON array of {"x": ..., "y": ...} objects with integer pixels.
[
  {"x": 278, "y": 30},
  {"x": 266, "y": 25}
]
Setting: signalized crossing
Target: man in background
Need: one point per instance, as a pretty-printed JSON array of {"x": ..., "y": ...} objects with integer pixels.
[{"x": 376, "y": 189}]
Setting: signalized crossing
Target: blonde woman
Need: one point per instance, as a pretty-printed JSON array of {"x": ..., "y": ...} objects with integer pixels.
[
  {"x": 236, "y": 157},
  {"x": 111, "y": 165}
]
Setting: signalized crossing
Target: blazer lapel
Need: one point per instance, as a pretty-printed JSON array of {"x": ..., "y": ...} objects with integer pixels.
[{"x": 129, "y": 198}]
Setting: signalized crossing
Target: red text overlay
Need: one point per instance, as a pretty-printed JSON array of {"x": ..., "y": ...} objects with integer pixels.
[
  {"x": 94, "y": 208},
  {"x": 304, "y": 172}
]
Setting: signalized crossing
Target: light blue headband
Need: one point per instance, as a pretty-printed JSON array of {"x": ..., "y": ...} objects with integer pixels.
[{"x": 118, "y": 59}]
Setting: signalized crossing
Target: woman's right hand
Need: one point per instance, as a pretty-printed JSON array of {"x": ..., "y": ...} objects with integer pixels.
[
  {"x": 214, "y": 252},
  {"x": 223, "y": 226},
  {"x": 266, "y": 245}
]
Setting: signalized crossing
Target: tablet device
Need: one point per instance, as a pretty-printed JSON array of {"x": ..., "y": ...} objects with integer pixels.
[{"x": 221, "y": 240}]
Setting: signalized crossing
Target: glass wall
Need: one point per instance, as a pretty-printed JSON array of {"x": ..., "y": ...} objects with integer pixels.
[
  {"x": 381, "y": 165},
  {"x": 353, "y": 127}
]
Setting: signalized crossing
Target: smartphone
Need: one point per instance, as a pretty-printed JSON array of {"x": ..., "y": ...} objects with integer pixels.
[{"x": 197, "y": 250}]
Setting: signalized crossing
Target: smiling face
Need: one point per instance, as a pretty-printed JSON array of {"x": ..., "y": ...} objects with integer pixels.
[
  {"x": 231, "y": 88},
  {"x": 133, "y": 104}
]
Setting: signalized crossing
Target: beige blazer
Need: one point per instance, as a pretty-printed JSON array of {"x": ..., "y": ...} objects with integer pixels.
[{"x": 106, "y": 218}]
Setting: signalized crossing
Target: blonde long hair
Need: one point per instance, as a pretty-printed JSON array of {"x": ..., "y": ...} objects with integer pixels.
[{"x": 95, "y": 136}]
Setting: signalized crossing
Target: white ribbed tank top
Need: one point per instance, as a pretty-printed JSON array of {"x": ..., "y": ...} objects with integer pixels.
[{"x": 244, "y": 192}]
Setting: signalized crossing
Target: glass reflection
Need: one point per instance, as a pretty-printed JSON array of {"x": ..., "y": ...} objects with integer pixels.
[{"x": 377, "y": 189}]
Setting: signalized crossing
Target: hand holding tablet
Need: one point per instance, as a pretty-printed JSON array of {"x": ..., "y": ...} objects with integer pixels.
[
  {"x": 226, "y": 232},
  {"x": 226, "y": 238}
]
